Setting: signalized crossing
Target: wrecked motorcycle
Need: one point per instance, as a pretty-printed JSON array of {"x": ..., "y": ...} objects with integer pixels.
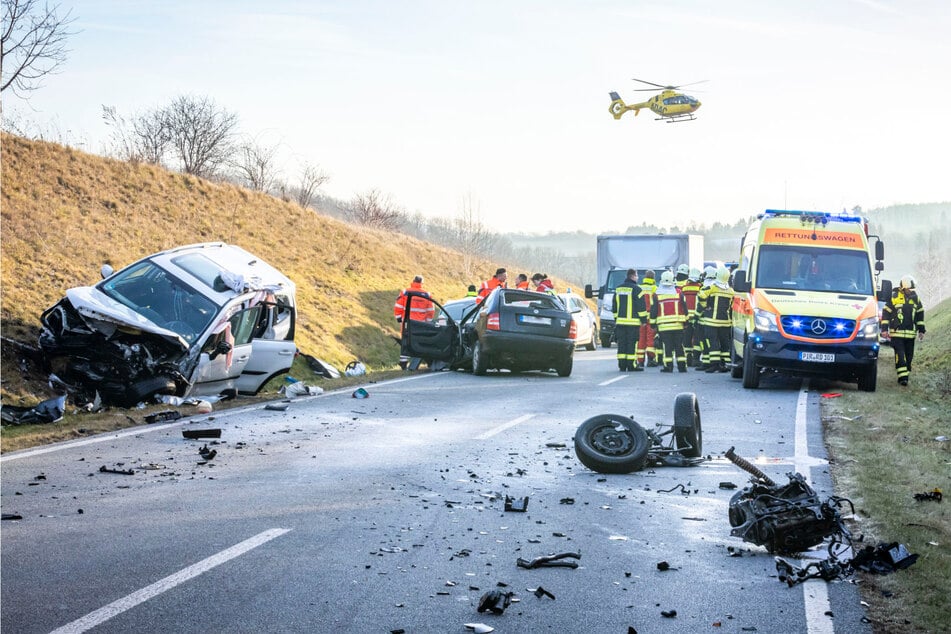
[{"x": 612, "y": 443}]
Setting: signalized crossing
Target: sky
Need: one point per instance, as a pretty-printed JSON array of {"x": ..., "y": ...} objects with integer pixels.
[{"x": 807, "y": 104}]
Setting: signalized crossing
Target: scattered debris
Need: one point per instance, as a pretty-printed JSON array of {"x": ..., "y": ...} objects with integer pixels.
[
  {"x": 566, "y": 501},
  {"x": 682, "y": 488},
  {"x": 832, "y": 395},
  {"x": 321, "y": 367},
  {"x": 163, "y": 417},
  {"x": 194, "y": 434},
  {"x": 360, "y": 393},
  {"x": 49, "y": 411},
  {"x": 276, "y": 407},
  {"x": 207, "y": 454},
  {"x": 292, "y": 387},
  {"x": 555, "y": 445},
  {"x": 941, "y": 438},
  {"x": 542, "y": 592},
  {"x": 727, "y": 485},
  {"x": 668, "y": 614},
  {"x": 495, "y": 601},
  {"x": 478, "y": 628},
  {"x": 105, "y": 469},
  {"x": 516, "y": 505},
  {"x": 550, "y": 561},
  {"x": 12, "y": 516},
  {"x": 355, "y": 368},
  {"x": 880, "y": 560},
  {"x": 663, "y": 566},
  {"x": 934, "y": 495}
]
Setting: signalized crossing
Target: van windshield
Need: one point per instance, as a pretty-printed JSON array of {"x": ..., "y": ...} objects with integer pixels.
[
  {"x": 808, "y": 268},
  {"x": 162, "y": 298}
]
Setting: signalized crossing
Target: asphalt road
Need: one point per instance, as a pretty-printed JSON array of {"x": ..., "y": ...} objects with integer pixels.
[{"x": 386, "y": 514}]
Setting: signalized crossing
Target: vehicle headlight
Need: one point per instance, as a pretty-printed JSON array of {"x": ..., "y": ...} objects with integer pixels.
[
  {"x": 765, "y": 320},
  {"x": 868, "y": 328}
]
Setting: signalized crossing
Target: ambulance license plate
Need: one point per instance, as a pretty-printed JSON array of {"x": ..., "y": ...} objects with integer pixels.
[{"x": 821, "y": 357}]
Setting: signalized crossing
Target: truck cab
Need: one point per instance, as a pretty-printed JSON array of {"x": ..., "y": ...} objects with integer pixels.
[{"x": 806, "y": 300}]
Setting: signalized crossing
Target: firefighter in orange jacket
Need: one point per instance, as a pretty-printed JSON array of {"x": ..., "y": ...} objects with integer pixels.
[
  {"x": 492, "y": 283},
  {"x": 420, "y": 309},
  {"x": 645, "y": 341},
  {"x": 667, "y": 315}
]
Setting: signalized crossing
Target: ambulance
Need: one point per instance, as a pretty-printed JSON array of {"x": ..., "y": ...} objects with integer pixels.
[{"x": 806, "y": 301}]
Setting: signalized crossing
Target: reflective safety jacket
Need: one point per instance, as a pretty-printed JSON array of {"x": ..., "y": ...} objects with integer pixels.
[
  {"x": 522, "y": 285},
  {"x": 668, "y": 310},
  {"x": 689, "y": 291},
  {"x": 490, "y": 285},
  {"x": 628, "y": 304},
  {"x": 648, "y": 285},
  {"x": 715, "y": 306},
  {"x": 545, "y": 286},
  {"x": 420, "y": 309},
  {"x": 903, "y": 314}
]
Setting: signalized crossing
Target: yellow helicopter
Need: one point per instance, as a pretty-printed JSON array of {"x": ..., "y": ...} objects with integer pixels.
[{"x": 669, "y": 104}]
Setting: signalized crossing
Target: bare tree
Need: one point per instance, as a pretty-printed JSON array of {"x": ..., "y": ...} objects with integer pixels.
[
  {"x": 470, "y": 236},
  {"x": 32, "y": 44},
  {"x": 312, "y": 178},
  {"x": 201, "y": 133},
  {"x": 255, "y": 165},
  {"x": 144, "y": 138},
  {"x": 375, "y": 209}
]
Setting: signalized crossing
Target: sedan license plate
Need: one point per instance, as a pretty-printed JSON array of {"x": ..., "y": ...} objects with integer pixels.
[
  {"x": 821, "y": 357},
  {"x": 534, "y": 319}
]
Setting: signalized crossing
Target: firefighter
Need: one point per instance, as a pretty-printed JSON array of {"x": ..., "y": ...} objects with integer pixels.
[
  {"x": 689, "y": 291},
  {"x": 629, "y": 313},
  {"x": 645, "y": 343},
  {"x": 903, "y": 317},
  {"x": 492, "y": 283},
  {"x": 683, "y": 273},
  {"x": 667, "y": 316},
  {"x": 521, "y": 281},
  {"x": 715, "y": 305},
  {"x": 420, "y": 309},
  {"x": 709, "y": 277}
]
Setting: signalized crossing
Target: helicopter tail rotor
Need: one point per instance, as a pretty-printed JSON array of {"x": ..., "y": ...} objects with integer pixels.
[{"x": 618, "y": 107}]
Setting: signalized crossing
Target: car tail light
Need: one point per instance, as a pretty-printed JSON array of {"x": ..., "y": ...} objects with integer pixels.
[
  {"x": 573, "y": 330},
  {"x": 492, "y": 323}
]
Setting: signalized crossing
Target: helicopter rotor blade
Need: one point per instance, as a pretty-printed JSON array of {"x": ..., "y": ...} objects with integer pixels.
[{"x": 647, "y": 82}]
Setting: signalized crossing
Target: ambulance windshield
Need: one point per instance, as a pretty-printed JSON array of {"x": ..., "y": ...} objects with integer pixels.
[{"x": 808, "y": 268}]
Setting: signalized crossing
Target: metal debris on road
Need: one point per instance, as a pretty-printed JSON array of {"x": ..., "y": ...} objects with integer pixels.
[
  {"x": 550, "y": 561},
  {"x": 12, "y": 516},
  {"x": 195, "y": 434},
  {"x": 516, "y": 505},
  {"x": 541, "y": 592},
  {"x": 163, "y": 417},
  {"x": 276, "y": 407},
  {"x": 105, "y": 469},
  {"x": 206, "y": 453},
  {"x": 495, "y": 601},
  {"x": 478, "y": 628}
]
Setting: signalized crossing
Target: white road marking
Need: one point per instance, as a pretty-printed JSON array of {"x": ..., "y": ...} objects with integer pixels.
[
  {"x": 503, "y": 427},
  {"x": 815, "y": 592},
  {"x": 115, "y": 608},
  {"x": 610, "y": 381}
]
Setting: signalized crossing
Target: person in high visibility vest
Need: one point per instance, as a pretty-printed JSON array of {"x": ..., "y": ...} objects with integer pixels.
[
  {"x": 715, "y": 305},
  {"x": 471, "y": 291},
  {"x": 645, "y": 343},
  {"x": 521, "y": 282},
  {"x": 903, "y": 318},
  {"x": 493, "y": 283},
  {"x": 420, "y": 309},
  {"x": 629, "y": 313},
  {"x": 689, "y": 290},
  {"x": 703, "y": 355},
  {"x": 667, "y": 315}
]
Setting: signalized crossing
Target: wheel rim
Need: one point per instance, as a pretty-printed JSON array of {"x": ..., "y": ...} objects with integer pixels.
[{"x": 612, "y": 440}]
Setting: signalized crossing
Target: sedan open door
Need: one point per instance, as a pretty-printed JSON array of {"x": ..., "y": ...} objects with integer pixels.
[{"x": 437, "y": 340}]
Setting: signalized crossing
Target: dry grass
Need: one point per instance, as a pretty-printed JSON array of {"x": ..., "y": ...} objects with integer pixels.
[
  {"x": 881, "y": 458},
  {"x": 63, "y": 213}
]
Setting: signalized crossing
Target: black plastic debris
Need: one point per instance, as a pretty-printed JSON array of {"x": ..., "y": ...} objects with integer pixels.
[
  {"x": 566, "y": 501},
  {"x": 12, "y": 516},
  {"x": 542, "y": 592},
  {"x": 880, "y": 560},
  {"x": 681, "y": 487},
  {"x": 276, "y": 407},
  {"x": 105, "y": 469},
  {"x": 884, "y": 558},
  {"x": 727, "y": 485},
  {"x": 194, "y": 434},
  {"x": 663, "y": 566},
  {"x": 550, "y": 561},
  {"x": 516, "y": 505},
  {"x": 668, "y": 614},
  {"x": 495, "y": 601},
  {"x": 321, "y": 367},
  {"x": 49, "y": 411},
  {"x": 932, "y": 496},
  {"x": 206, "y": 453},
  {"x": 163, "y": 417}
]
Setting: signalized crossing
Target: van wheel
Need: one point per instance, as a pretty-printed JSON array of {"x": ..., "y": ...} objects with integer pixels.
[
  {"x": 687, "y": 430},
  {"x": 750, "y": 371},
  {"x": 605, "y": 340},
  {"x": 868, "y": 379},
  {"x": 736, "y": 363},
  {"x": 479, "y": 362},
  {"x": 610, "y": 443}
]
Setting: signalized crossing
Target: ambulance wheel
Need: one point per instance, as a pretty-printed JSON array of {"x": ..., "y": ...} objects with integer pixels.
[
  {"x": 736, "y": 363},
  {"x": 750, "y": 371},
  {"x": 868, "y": 378},
  {"x": 610, "y": 443},
  {"x": 687, "y": 430}
]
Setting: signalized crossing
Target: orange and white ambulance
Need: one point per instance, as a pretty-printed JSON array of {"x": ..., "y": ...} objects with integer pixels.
[{"x": 806, "y": 300}]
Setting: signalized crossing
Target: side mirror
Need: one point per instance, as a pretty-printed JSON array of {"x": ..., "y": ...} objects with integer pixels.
[
  {"x": 740, "y": 283},
  {"x": 879, "y": 250},
  {"x": 588, "y": 291},
  {"x": 106, "y": 271},
  {"x": 222, "y": 347},
  {"x": 885, "y": 293},
  {"x": 879, "y": 266}
]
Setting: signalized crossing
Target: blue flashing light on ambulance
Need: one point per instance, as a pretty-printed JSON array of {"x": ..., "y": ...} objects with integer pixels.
[{"x": 806, "y": 300}]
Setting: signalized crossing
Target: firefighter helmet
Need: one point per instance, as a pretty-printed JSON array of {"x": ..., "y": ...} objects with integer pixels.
[
  {"x": 695, "y": 275},
  {"x": 667, "y": 277},
  {"x": 723, "y": 275},
  {"x": 709, "y": 273},
  {"x": 683, "y": 269},
  {"x": 907, "y": 281}
]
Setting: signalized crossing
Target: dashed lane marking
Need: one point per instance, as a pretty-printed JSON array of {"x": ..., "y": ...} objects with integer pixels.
[{"x": 500, "y": 428}]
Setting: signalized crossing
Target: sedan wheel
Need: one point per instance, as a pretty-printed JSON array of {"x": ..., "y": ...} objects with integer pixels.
[
  {"x": 611, "y": 444},
  {"x": 593, "y": 344},
  {"x": 479, "y": 362}
]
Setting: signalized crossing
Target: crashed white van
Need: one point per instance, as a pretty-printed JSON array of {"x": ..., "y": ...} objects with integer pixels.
[{"x": 195, "y": 320}]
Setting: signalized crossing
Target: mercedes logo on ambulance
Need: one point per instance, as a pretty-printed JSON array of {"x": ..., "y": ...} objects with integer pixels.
[{"x": 818, "y": 326}]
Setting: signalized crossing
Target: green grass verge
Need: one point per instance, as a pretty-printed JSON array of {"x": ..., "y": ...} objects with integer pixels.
[{"x": 883, "y": 451}]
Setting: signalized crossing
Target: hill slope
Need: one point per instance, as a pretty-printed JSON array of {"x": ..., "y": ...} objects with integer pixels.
[{"x": 63, "y": 213}]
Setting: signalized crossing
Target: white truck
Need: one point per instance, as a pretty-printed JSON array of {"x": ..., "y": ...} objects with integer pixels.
[{"x": 618, "y": 253}]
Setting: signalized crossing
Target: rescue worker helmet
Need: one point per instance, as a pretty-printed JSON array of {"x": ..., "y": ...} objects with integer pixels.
[
  {"x": 667, "y": 277},
  {"x": 907, "y": 281},
  {"x": 709, "y": 273},
  {"x": 695, "y": 275},
  {"x": 683, "y": 269},
  {"x": 723, "y": 275}
]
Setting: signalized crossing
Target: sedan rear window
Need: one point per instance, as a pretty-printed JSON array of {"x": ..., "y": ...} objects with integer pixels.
[{"x": 536, "y": 300}]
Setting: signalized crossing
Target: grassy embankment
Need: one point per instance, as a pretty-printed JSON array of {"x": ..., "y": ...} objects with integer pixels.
[
  {"x": 63, "y": 213},
  {"x": 884, "y": 451}
]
